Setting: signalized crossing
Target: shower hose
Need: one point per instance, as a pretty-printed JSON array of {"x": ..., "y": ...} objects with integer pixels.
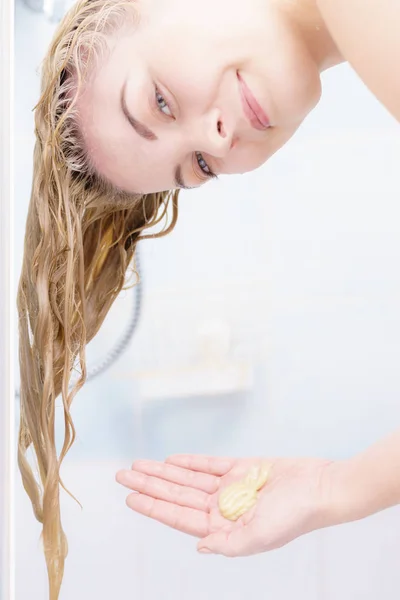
[{"x": 120, "y": 347}]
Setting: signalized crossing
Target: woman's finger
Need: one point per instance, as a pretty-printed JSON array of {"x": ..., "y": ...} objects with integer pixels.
[
  {"x": 188, "y": 520},
  {"x": 155, "y": 487},
  {"x": 211, "y": 465},
  {"x": 176, "y": 474}
]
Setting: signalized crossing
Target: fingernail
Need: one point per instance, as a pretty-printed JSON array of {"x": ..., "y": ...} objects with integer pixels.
[
  {"x": 205, "y": 550},
  {"x": 121, "y": 476}
]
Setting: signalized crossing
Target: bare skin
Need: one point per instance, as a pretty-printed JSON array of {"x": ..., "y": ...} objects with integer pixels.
[
  {"x": 375, "y": 51},
  {"x": 183, "y": 493},
  {"x": 301, "y": 495}
]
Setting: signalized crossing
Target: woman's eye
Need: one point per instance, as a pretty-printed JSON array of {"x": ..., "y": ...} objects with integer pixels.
[
  {"x": 165, "y": 109},
  {"x": 204, "y": 166},
  {"x": 162, "y": 105}
]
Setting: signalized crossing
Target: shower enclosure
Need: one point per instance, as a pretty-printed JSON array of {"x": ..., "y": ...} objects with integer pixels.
[{"x": 269, "y": 325}]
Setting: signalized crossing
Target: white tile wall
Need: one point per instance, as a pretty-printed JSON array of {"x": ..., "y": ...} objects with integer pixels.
[{"x": 301, "y": 259}]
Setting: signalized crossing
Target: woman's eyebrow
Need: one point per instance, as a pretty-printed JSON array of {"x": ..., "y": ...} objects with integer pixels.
[
  {"x": 139, "y": 127},
  {"x": 147, "y": 134}
]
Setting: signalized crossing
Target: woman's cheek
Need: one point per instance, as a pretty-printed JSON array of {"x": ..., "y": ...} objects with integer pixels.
[{"x": 248, "y": 158}]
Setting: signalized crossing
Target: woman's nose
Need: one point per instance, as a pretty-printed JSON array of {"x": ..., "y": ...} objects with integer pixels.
[{"x": 213, "y": 135}]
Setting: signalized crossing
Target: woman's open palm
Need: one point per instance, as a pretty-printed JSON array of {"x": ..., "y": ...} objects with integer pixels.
[{"x": 183, "y": 492}]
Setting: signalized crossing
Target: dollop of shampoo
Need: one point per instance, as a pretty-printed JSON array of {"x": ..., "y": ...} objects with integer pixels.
[{"x": 239, "y": 497}]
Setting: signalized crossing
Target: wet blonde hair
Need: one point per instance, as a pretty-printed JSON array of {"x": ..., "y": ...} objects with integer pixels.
[{"x": 80, "y": 238}]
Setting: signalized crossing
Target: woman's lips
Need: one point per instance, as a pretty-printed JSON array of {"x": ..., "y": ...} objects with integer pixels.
[{"x": 252, "y": 109}]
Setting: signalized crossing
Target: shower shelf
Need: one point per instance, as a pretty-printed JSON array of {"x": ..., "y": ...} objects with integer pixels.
[{"x": 199, "y": 380}]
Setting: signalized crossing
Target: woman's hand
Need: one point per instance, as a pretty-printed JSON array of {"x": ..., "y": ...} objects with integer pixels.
[{"x": 183, "y": 493}]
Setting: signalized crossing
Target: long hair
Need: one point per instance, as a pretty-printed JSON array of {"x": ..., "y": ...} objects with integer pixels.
[{"x": 80, "y": 238}]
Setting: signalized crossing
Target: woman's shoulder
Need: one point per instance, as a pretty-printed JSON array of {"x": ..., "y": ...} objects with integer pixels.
[{"x": 367, "y": 33}]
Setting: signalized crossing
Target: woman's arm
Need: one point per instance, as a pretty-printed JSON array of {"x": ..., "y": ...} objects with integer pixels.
[
  {"x": 300, "y": 495},
  {"x": 366, "y": 484},
  {"x": 367, "y": 32}
]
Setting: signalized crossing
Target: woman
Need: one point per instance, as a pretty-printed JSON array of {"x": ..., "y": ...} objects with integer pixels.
[{"x": 141, "y": 98}]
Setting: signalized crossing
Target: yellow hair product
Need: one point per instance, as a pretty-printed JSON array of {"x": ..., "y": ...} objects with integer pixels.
[{"x": 239, "y": 497}]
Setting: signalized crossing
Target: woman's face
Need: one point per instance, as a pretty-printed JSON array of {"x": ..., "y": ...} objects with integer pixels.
[{"x": 167, "y": 106}]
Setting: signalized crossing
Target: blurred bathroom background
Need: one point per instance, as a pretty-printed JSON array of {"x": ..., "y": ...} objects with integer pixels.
[{"x": 269, "y": 325}]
